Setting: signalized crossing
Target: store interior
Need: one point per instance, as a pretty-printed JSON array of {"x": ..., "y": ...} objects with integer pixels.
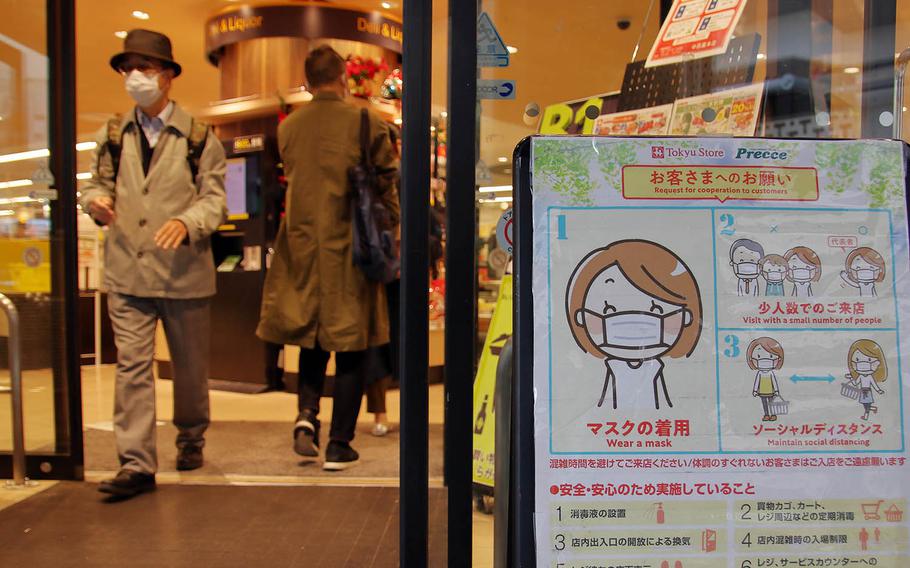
[{"x": 242, "y": 86}]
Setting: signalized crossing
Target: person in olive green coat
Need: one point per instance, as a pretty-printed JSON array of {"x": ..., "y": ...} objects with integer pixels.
[{"x": 315, "y": 296}]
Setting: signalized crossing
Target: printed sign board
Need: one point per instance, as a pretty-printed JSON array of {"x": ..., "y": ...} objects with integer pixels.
[
  {"x": 733, "y": 112},
  {"x": 491, "y": 50},
  {"x": 496, "y": 89},
  {"x": 719, "y": 327},
  {"x": 694, "y": 29},
  {"x": 652, "y": 121},
  {"x": 485, "y": 386},
  {"x": 578, "y": 116}
]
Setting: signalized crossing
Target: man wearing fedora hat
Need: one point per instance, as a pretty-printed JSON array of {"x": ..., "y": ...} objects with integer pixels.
[{"x": 158, "y": 186}]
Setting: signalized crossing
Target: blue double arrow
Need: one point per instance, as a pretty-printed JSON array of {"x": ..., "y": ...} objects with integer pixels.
[{"x": 798, "y": 379}]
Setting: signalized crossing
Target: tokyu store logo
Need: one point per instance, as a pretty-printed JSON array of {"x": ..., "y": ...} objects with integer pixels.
[{"x": 662, "y": 152}]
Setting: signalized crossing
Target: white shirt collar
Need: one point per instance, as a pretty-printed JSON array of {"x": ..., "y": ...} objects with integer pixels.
[{"x": 164, "y": 115}]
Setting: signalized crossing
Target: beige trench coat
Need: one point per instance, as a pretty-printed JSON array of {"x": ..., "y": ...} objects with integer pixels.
[
  {"x": 134, "y": 265},
  {"x": 313, "y": 291}
]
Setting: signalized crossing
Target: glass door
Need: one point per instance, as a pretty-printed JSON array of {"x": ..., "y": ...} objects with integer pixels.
[{"x": 36, "y": 232}]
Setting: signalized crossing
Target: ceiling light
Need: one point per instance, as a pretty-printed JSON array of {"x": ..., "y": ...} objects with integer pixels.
[
  {"x": 1, "y": 119},
  {"x": 7, "y": 213},
  {"x": 497, "y": 200},
  {"x": 512, "y": 49},
  {"x": 761, "y": 56},
  {"x": 19, "y": 156},
  {"x": 121, "y": 34},
  {"x": 904, "y": 109},
  {"x": 387, "y": 5},
  {"x": 140, "y": 15},
  {"x": 84, "y": 175},
  {"x": 42, "y": 153},
  {"x": 16, "y": 200},
  {"x": 15, "y": 183},
  {"x": 397, "y": 121},
  {"x": 444, "y": 114},
  {"x": 851, "y": 70},
  {"x": 495, "y": 188},
  {"x": 502, "y": 160}
]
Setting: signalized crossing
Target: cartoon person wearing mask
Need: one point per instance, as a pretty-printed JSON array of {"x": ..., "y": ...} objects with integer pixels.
[
  {"x": 804, "y": 268},
  {"x": 765, "y": 355},
  {"x": 633, "y": 303},
  {"x": 745, "y": 255},
  {"x": 864, "y": 268},
  {"x": 774, "y": 271},
  {"x": 866, "y": 369}
]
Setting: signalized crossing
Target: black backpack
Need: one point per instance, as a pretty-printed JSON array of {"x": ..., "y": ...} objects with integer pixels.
[
  {"x": 373, "y": 235},
  {"x": 195, "y": 144}
]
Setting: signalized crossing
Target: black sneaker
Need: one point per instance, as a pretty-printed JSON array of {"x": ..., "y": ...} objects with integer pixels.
[
  {"x": 189, "y": 458},
  {"x": 128, "y": 483},
  {"x": 306, "y": 436},
  {"x": 339, "y": 456}
]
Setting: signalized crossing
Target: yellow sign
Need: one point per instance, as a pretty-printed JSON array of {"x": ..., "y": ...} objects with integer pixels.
[
  {"x": 25, "y": 266},
  {"x": 485, "y": 386},
  {"x": 720, "y": 182},
  {"x": 239, "y": 23}
]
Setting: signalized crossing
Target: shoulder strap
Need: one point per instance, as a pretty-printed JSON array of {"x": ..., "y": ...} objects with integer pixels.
[
  {"x": 365, "y": 157},
  {"x": 195, "y": 145},
  {"x": 114, "y": 142}
]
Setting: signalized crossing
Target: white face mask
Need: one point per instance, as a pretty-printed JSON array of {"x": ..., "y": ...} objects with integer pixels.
[
  {"x": 746, "y": 269},
  {"x": 766, "y": 364},
  {"x": 143, "y": 88},
  {"x": 801, "y": 274},
  {"x": 637, "y": 330},
  {"x": 865, "y": 275},
  {"x": 775, "y": 277},
  {"x": 863, "y": 366}
]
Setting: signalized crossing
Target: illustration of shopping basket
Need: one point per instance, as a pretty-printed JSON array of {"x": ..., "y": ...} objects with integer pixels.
[
  {"x": 849, "y": 391},
  {"x": 779, "y": 406},
  {"x": 894, "y": 514},
  {"x": 870, "y": 511}
]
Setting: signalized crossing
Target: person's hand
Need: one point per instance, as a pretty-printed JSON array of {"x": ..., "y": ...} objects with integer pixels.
[
  {"x": 102, "y": 210},
  {"x": 171, "y": 235}
]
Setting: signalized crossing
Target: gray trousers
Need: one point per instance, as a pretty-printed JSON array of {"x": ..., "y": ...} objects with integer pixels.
[{"x": 186, "y": 325}]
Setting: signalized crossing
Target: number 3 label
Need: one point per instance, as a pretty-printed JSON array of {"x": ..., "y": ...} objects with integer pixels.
[{"x": 733, "y": 342}]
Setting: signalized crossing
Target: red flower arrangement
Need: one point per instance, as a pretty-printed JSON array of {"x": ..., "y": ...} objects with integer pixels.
[{"x": 361, "y": 73}]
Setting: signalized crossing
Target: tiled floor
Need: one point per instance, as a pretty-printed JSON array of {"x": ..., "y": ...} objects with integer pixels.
[{"x": 226, "y": 407}]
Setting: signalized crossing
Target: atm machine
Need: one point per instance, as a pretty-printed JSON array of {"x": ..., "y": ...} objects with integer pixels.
[{"x": 241, "y": 250}]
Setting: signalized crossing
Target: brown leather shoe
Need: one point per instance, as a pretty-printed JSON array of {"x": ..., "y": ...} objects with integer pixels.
[
  {"x": 128, "y": 483},
  {"x": 189, "y": 458}
]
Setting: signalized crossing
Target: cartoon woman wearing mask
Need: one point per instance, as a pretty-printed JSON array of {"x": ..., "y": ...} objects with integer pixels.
[
  {"x": 633, "y": 303},
  {"x": 745, "y": 255},
  {"x": 864, "y": 268},
  {"x": 804, "y": 268},
  {"x": 765, "y": 355},
  {"x": 867, "y": 369},
  {"x": 774, "y": 271}
]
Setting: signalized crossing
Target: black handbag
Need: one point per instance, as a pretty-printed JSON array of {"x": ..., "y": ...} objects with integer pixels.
[{"x": 373, "y": 248}]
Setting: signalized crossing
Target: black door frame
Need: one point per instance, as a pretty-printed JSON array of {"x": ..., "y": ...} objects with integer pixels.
[
  {"x": 67, "y": 461},
  {"x": 460, "y": 323},
  {"x": 414, "y": 356}
]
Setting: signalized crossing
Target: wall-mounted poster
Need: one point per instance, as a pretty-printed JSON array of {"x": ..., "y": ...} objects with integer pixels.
[
  {"x": 652, "y": 121},
  {"x": 719, "y": 326},
  {"x": 733, "y": 112},
  {"x": 694, "y": 29}
]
